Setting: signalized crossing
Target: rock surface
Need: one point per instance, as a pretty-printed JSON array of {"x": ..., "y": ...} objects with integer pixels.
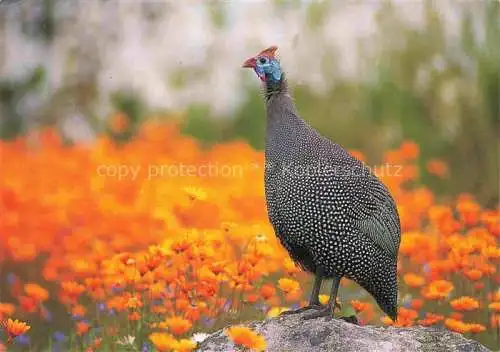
[{"x": 292, "y": 333}]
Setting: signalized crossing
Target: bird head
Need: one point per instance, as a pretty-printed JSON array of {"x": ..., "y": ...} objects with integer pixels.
[{"x": 265, "y": 65}]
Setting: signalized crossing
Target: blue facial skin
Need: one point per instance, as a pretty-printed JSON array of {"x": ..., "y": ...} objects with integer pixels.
[{"x": 268, "y": 69}]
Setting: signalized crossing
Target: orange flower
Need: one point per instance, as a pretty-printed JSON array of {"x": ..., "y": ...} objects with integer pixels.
[
  {"x": 267, "y": 291},
  {"x": 456, "y": 315},
  {"x": 495, "y": 307},
  {"x": 163, "y": 341},
  {"x": 6, "y": 309},
  {"x": 405, "y": 313},
  {"x": 36, "y": 292},
  {"x": 82, "y": 328},
  {"x": 180, "y": 246},
  {"x": 437, "y": 167},
  {"x": 464, "y": 303},
  {"x": 288, "y": 285},
  {"x": 293, "y": 296},
  {"x": 495, "y": 321},
  {"x": 28, "y": 304},
  {"x": 438, "y": 289},
  {"x": 178, "y": 325},
  {"x": 246, "y": 337},
  {"x": 360, "y": 306},
  {"x": 252, "y": 298},
  {"x": 134, "y": 316},
  {"x": 413, "y": 280},
  {"x": 79, "y": 310},
  {"x": 473, "y": 274},
  {"x": 457, "y": 325},
  {"x": 469, "y": 212},
  {"x": 14, "y": 328},
  {"x": 430, "y": 319},
  {"x": 495, "y": 296},
  {"x": 409, "y": 150},
  {"x": 478, "y": 286},
  {"x": 72, "y": 289},
  {"x": 417, "y": 304},
  {"x": 181, "y": 303},
  {"x": 95, "y": 344},
  {"x": 133, "y": 303},
  {"x": 476, "y": 328}
]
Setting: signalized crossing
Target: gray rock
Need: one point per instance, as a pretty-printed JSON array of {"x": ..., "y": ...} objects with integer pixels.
[{"x": 291, "y": 333}]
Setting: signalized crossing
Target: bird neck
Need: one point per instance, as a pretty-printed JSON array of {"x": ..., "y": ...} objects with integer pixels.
[
  {"x": 285, "y": 129},
  {"x": 274, "y": 87}
]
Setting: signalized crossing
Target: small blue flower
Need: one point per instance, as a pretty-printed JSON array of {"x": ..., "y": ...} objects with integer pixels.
[
  {"x": 23, "y": 340},
  {"x": 208, "y": 322},
  {"x": 157, "y": 302},
  {"x": 11, "y": 278},
  {"x": 59, "y": 336},
  {"x": 426, "y": 268},
  {"x": 45, "y": 314},
  {"x": 227, "y": 305}
]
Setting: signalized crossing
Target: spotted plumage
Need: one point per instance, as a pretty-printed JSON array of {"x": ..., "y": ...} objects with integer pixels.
[{"x": 334, "y": 217}]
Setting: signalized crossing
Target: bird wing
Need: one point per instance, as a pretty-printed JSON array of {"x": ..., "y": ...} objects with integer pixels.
[{"x": 375, "y": 214}]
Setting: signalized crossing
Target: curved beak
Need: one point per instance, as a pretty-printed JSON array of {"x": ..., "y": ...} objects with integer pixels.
[{"x": 250, "y": 63}]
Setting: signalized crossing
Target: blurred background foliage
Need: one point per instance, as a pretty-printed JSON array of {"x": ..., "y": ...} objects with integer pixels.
[{"x": 419, "y": 82}]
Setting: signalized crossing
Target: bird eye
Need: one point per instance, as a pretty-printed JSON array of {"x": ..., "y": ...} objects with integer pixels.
[{"x": 263, "y": 60}]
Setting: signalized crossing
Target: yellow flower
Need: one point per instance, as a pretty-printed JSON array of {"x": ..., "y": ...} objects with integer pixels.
[
  {"x": 288, "y": 285},
  {"x": 323, "y": 299},
  {"x": 275, "y": 311},
  {"x": 247, "y": 338},
  {"x": 163, "y": 341},
  {"x": 495, "y": 306},
  {"x": 185, "y": 345}
]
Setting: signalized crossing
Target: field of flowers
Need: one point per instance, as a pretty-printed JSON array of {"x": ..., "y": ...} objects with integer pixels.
[{"x": 147, "y": 245}]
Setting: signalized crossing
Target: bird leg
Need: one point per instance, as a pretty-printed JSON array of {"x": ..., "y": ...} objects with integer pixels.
[
  {"x": 314, "y": 300},
  {"x": 330, "y": 307}
]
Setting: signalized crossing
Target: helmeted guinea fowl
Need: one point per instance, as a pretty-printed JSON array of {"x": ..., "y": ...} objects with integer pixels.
[{"x": 331, "y": 213}]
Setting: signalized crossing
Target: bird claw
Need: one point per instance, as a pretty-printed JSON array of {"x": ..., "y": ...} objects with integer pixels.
[
  {"x": 302, "y": 309},
  {"x": 350, "y": 319},
  {"x": 323, "y": 312},
  {"x": 327, "y": 312}
]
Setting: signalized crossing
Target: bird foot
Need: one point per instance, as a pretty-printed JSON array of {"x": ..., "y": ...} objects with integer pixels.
[
  {"x": 350, "y": 319},
  {"x": 302, "y": 309},
  {"x": 327, "y": 312},
  {"x": 323, "y": 312}
]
